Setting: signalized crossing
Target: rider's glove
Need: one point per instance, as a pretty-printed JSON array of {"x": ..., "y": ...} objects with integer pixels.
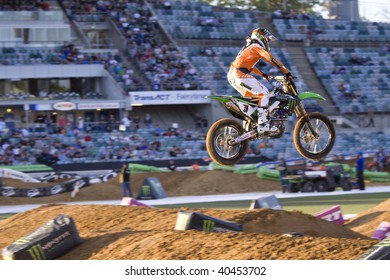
[
  {"x": 289, "y": 76},
  {"x": 268, "y": 77}
]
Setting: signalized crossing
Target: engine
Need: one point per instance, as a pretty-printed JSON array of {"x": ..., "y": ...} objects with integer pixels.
[{"x": 278, "y": 117}]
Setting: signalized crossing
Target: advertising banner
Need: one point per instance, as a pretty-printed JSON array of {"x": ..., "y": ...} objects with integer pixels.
[{"x": 139, "y": 98}]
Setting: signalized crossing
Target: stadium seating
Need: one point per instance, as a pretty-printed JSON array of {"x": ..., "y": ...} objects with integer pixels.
[
  {"x": 367, "y": 71},
  {"x": 331, "y": 30},
  {"x": 197, "y": 20}
]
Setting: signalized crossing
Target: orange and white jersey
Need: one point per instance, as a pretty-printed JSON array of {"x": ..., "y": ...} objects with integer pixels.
[
  {"x": 249, "y": 56},
  {"x": 239, "y": 75}
]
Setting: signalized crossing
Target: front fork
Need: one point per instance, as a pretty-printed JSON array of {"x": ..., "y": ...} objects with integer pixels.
[{"x": 301, "y": 112}]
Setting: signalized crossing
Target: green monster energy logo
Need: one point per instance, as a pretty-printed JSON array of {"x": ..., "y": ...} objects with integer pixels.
[
  {"x": 146, "y": 190},
  {"x": 36, "y": 252},
  {"x": 291, "y": 104},
  {"x": 208, "y": 226}
]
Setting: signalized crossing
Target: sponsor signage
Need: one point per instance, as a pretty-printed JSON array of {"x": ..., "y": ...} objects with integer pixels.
[
  {"x": 38, "y": 107},
  {"x": 64, "y": 106},
  {"x": 169, "y": 97},
  {"x": 94, "y": 106}
]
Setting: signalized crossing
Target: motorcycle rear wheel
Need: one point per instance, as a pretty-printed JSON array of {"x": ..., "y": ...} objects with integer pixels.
[
  {"x": 311, "y": 147},
  {"x": 218, "y": 142}
]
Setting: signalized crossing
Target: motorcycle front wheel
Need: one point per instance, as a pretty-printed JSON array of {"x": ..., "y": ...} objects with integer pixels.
[
  {"x": 317, "y": 146},
  {"x": 219, "y": 142}
]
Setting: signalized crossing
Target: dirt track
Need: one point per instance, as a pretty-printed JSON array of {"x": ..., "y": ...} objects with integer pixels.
[{"x": 124, "y": 232}]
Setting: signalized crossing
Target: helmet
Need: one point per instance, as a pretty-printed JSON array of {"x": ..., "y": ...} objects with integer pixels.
[{"x": 262, "y": 36}]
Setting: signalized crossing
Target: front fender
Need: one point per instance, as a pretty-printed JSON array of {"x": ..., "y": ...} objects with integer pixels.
[{"x": 308, "y": 94}]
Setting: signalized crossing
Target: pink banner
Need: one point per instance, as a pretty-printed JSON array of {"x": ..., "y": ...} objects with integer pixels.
[
  {"x": 332, "y": 214},
  {"x": 129, "y": 201},
  {"x": 382, "y": 231}
]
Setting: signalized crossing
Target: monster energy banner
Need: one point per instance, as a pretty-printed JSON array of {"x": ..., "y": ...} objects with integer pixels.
[
  {"x": 193, "y": 220},
  {"x": 151, "y": 189},
  {"x": 266, "y": 202},
  {"x": 380, "y": 251},
  {"x": 48, "y": 242}
]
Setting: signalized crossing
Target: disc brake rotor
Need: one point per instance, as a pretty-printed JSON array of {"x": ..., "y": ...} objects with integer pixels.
[
  {"x": 315, "y": 143},
  {"x": 223, "y": 139}
]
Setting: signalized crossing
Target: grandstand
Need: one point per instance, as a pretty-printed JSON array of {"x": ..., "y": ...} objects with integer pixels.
[{"x": 97, "y": 62}]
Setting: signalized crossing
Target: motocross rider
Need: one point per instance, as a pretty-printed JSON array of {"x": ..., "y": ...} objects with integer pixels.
[{"x": 240, "y": 73}]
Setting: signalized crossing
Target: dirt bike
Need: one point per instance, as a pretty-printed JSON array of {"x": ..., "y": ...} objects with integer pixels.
[{"x": 227, "y": 139}]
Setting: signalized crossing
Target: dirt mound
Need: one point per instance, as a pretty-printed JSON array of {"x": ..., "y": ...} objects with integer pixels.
[
  {"x": 368, "y": 221},
  {"x": 125, "y": 232}
]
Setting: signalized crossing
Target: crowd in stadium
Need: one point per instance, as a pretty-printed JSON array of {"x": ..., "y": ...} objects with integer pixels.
[{"x": 61, "y": 142}]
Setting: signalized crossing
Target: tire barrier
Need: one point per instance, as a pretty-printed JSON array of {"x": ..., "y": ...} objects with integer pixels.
[
  {"x": 380, "y": 251},
  {"x": 51, "y": 241},
  {"x": 45, "y": 191},
  {"x": 151, "y": 189},
  {"x": 246, "y": 169},
  {"x": 129, "y": 201},
  {"x": 140, "y": 168},
  {"x": 73, "y": 185},
  {"x": 264, "y": 172},
  {"x": 266, "y": 202},
  {"x": 215, "y": 166},
  {"x": 102, "y": 178},
  {"x": 187, "y": 220},
  {"x": 332, "y": 214},
  {"x": 375, "y": 176},
  {"x": 10, "y": 192},
  {"x": 382, "y": 231},
  {"x": 54, "y": 176},
  {"x": 13, "y": 174},
  {"x": 109, "y": 176}
]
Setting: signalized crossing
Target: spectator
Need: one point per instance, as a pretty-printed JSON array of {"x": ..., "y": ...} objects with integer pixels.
[
  {"x": 80, "y": 123},
  {"x": 62, "y": 124},
  {"x": 148, "y": 121},
  {"x": 360, "y": 171},
  {"x": 126, "y": 122},
  {"x": 195, "y": 166},
  {"x": 3, "y": 125},
  {"x": 136, "y": 121},
  {"x": 205, "y": 123},
  {"x": 171, "y": 165},
  {"x": 370, "y": 115},
  {"x": 48, "y": 121},
  {"x": 174, "y": 151},
  {"x": 381, "y": 155},
  {"x": 283, "y": 171},
  {"x": 124, "y": 179},
  {"x": 158, "y": 131},
  {"x": 198, "y": 122}
]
